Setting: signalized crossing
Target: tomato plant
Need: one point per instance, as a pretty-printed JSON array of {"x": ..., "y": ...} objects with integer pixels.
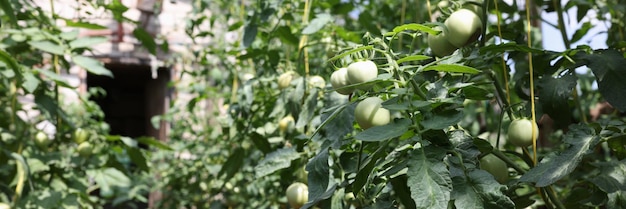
[
  {"x": 520, "y": 132},
  {"x": 369, "y": 112},
  {"x": 360, "y": 72},
  {"x": 339, "y": 81}
]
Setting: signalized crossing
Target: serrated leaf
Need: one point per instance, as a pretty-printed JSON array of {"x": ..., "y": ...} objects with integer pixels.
[
  {"x": 554, "y": 96},
  {"x": 580, "y": 139},
  {"x": 479, "y": 190},
  {"x": 48, "y": 46},
  {"x": 608, "y": 68},
  {"x": 429, "y": 178},
  {"x": 443, "y": 119},
  {"x": 276, "y": 160},
  {"x": 413, "y": 58},
  {"x": 317, "y": 23},
  {"x": 452, "y": 68},
  {"x": 92, "y": 65},
  {"x": 380, "y": 133},
  {"x": 611, "y": 176},
  {"x": 318, "y": 177},
  {"x": 413, "y": 27}
]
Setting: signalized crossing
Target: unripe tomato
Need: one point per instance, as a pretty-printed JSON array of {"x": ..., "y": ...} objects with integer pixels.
[
  {"x": 463, "y": 27},
  {"x": 361, "y": 72},
  {"x": 4, "y": 206},
  {"x": 284, "y": 80},
  {"x": 84, "y": 149},
  {"x": 42, "y": 140},
  {"x": 496, "y": 167},
  {"x": 317, "y": 81},
  {"x": 284, "y": 123},
  {"x": 478, "y": 10},
  {"x": 520, "y": 132},
  {"x": 297, "y": 194},
  {"x": 80, "y": 135},
  {"x": 246, "y": 77},
  {"x": 440, "y": 45},
  {"x": 370, "y": 112},
  {"x": 339, "y": 79}
]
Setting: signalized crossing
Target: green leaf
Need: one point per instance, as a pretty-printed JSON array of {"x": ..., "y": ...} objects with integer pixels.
[
  {"x": 285, "y": 35},
  {"x": 479, "y": 190},
  {"x": 413, "y": 27},
  {"x": 30, "y": 82},
  {"x": 146, "y": 40},
  {"x": 441, "y": 120},
  {"x": 554, "y": 96},
  {"x": 86, "y": 25},
  {"x": 85, "y": 42},
  {"x": 318, "y": 176},
  {"x": 477, "y": 93},
  {"x": 581, "y": 139},
  {"x": 276, "y": 160},
  {"x": 308, "y": 109},
  {"x": 249, "y": 34},
  {"x": 582, "y": 31},
  {"x": 92, "y": 65},
  {"x": 8, "y": 11},
  {"x": 611, "y": 176},
  {"x": 260, "y": 142},
  {"x": 399, "y": 185},
  {"x": 429, "y": 178},
  {"x": 380, "y": 133},
  {"x": 608, "y": 68},
  {"x": 48, "y": 46},
  {"x": 317, "y": 23},
  {"x": 154, "y": 143},
  {"x": 233, "y": 164},
  {"x": 9, "y": 61},
  {"x": 137, "y": 157},
  {"x": 60, "y": 80},
  {"x": 452, "y": 68},
  {"x": 413, "y": 58},
  {"x": 107, "y": 177},
  {"x": 510, "y": 46}
]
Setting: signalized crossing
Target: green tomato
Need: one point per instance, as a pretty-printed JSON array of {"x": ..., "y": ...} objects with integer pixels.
[
  {"x": 80, "y": 135},
  {"x": 317, "y": 81},
  {"x": 496, "y": 167},
  {"x": 284, "y": 80},
  {"x": 439, "y": 44},
  {"x": 361, "y": 72},
  {"x": 284, "y": 123},
  {"x": 42, "y": 140},
  {"x": 84, "y": 149},
  {"x": 369, "y": 113},
  {"x": 297, "y": 194},
  {"x": 463, "y": 27},
  {"x": 478, "y": 10},
  {"x": 339, "y": 79},
  {"x": 520, "y": 132}
]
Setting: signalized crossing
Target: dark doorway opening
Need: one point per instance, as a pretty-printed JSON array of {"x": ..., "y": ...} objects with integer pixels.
[{"x": 132, "y": 98}]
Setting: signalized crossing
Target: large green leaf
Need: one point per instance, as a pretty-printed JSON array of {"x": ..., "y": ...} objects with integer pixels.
[
  {"x": 317, "y": 23},
  {"x": 608, "y": 67},
  {"x": 554, "y": 95},
  {"x": 581, "y": 139},
  {"x": 479, "y": 190},
  {"x": 276, "y": 160},
  {"x": 443, "y": 119},
  {"x": 48, "y": 46},
  {"x": 429, "y": 178},
  {"x": 452, "y": 68},
  {"x": 380, "y": 133},
  {"x": 233, "y": 164},
  {"x": 106, "y": 177},
  {"x": 92, "y": 65},
  {"x": 611, "y": 176},
  {"x": 146, "y": 40},
  {"x": 318, "y": 178},
  {"x": 85, "y": 42}
]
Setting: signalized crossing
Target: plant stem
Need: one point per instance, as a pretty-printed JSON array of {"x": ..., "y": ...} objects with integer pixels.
[
  {"x": 561, "y": 23},
  {"x": 501, "y": 93},
  {"x": 553, "y": 198},
  {"x": 508, "y": 161}
]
